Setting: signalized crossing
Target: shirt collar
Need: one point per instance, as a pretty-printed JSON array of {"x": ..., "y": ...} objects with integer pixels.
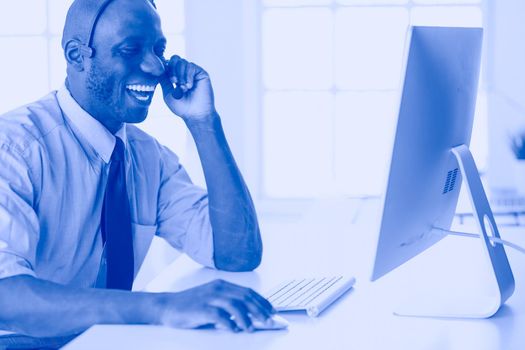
[{"x": 100, "y": 138}]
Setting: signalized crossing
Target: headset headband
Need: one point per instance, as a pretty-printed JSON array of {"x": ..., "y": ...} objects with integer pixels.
[{"x": 86, "y": 48}]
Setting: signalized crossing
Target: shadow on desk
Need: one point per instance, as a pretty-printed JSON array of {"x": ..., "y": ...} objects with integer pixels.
[{"x": 16, "y": 341}]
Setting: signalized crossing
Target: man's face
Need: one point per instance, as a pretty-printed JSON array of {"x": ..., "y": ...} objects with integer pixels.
[{"x": 127, "y": 64}]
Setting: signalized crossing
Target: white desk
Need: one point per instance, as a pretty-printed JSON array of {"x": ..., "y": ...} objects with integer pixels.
[{"x": 328, "y": 239}]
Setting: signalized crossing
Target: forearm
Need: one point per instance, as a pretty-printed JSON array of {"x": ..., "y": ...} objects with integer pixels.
[
  {"x": 40, "y": 308},
  {"x": 237, "y": 241}
]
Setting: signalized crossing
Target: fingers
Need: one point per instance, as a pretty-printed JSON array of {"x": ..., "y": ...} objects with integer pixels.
[
  {"x": 245, "y": 301},
  {"x": 222, "y": 319},
  {"x": 257, "y": 305},
  {"x": 167, "y": 86},
  {"x": 191, "y": 72},
  {"x": 183, "y": 73},
  {"x": 265, "y": 304},
  {"x": 253, "y": 297},
  {"x": 238, "y": 312},
  {"x": 179, "y": 70}
]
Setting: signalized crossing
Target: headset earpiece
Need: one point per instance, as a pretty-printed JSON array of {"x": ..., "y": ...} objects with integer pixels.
[{"x": 86, "y": 51}]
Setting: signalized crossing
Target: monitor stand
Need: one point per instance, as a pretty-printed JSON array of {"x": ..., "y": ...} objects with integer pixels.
[{"x": 472, "y": 306}]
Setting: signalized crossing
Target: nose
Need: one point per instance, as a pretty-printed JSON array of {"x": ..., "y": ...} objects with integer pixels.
[{"x": 153, "y": 65}]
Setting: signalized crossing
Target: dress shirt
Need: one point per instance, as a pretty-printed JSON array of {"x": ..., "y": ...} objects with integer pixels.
[{"x": 54, "y": 162}]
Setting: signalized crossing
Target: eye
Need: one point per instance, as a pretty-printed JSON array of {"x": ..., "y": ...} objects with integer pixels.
[{"x": 130, "y": 51}]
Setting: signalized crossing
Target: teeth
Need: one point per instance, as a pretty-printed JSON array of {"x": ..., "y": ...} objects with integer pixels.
[
  {"x": 141, "y": 88},
  {"x": 142, "y": 98}
]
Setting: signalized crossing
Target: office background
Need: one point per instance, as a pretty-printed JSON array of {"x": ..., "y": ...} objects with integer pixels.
[{"x": 307, "y": 89}]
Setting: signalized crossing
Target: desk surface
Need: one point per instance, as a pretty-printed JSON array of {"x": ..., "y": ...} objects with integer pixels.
[{"x": 338, "y": 237}]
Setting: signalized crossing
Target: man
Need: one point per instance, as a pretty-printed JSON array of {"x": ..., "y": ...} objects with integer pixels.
[{"x": 82, "y": 192}]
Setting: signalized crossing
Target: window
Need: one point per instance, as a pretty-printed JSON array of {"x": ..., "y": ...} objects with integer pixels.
[
  {"x": 331, "y": 73},
  {"x": 24, "y": 63}
]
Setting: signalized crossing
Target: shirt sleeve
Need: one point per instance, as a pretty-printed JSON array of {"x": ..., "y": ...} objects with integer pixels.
[
  {"x": 19, "y": 226},
  {"x": 183, "y": 216}
]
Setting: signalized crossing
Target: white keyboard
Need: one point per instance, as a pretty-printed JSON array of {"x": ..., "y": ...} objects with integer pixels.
[{"x": 312, "y": 295}]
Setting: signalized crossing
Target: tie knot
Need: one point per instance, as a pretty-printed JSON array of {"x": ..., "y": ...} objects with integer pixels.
[{"x": 118, "y": 151}]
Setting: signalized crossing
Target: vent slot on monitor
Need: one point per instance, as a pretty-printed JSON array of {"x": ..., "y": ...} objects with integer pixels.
[{"x": 450, "y": 182}]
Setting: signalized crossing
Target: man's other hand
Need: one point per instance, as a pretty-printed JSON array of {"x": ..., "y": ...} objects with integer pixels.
[{"x": 218, "y": 303}]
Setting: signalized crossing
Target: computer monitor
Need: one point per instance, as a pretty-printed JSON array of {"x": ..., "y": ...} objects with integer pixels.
[{"x": 430, "y": 153}]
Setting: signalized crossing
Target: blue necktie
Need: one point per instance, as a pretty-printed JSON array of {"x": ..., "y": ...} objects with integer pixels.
[{"x": 116, "y": 224}]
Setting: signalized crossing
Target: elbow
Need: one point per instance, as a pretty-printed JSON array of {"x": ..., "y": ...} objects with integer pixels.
[
  {"x": 238, "y": 267},
  {"x": 239, "y": 255},
  {"x": 248, "y": 261},
  {"x": 251, "y": 263}
]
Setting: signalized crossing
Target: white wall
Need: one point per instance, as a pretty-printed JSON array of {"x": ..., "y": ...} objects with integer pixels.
[{"x": 505, "y": 40}]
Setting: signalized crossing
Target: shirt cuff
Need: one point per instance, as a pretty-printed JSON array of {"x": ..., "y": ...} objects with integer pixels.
[{"x": 13, "y": 265}]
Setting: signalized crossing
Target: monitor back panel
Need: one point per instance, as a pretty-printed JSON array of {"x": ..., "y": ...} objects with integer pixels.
[{"x": 436, "y": 113}]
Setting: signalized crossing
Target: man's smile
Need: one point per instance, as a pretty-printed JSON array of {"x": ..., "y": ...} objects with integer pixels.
[{"x": 141, "y": 92}]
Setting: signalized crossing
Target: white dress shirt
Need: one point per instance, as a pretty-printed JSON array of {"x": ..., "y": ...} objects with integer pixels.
[{"x": 54, "y": 161}]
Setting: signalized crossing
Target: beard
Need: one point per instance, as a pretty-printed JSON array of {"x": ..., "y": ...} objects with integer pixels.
[
  {"x": 101, "y": 86},
  {"x": 110, "y": 103}
]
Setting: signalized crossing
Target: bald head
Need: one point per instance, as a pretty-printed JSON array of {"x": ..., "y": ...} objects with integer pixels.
[{"x": 81, "y": 21}]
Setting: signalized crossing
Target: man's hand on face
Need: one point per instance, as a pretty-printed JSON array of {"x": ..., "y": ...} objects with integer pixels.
[
  {"x": 192, "y": 99},
  {"x": 218, "y": 303}
]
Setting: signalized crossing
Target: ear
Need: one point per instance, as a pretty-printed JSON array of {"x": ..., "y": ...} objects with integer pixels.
[{"x": 73, "y": 51}]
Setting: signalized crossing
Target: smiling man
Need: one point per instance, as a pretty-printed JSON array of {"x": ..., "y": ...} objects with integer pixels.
[{"x": 83, "y": 192}]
